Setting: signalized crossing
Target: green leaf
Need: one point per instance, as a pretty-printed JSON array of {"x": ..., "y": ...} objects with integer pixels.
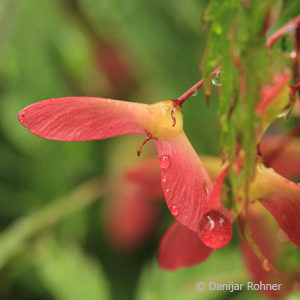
[
  {"x": 294, "y": 296},
  {"x": 223, "y": 266},
  {"x": 68, "y": 273},
  {"x": 13, "y": 239},
  {"x": 236, "y": 41}
]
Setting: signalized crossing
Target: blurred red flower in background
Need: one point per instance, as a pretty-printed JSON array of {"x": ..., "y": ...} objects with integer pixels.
[{"x": 132, "y": 210}]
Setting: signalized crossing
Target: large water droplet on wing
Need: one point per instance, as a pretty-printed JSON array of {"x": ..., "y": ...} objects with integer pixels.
[
  {"x": 288, "y": 43},
  {"x": 215, "y": 230}
]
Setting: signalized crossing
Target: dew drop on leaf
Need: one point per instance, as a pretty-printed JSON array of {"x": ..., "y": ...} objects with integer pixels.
[
  {"x": 163, "y": 179},
  {"x": 288, "y": 43},
  {"x": 216, "y": 79},
  {"x": 174, "y": 210},
  {"x": 293, "y": 54},
  {"x": 215, "y": 230},
  {"x": 164, "y": 161}
]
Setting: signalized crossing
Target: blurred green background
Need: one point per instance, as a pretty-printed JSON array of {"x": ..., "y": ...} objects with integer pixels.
[{"x": 53, "y": 244}]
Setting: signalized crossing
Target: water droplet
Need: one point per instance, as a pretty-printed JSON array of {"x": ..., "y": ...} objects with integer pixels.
[
  {"x": 215, "y": 230},
  {"x": 163, "y": 179},
  {"x": 195, "y": 93},
  {"x": 288, "y": 43},
  {"x": 266, "y": 265},
  {"x": 167, "y": 190},
  {"x": 164, "y": 161},
  {"x": 293, "y": 54},
  {"x": 174, "y": 210},
  {"x": 205, "y": 187},
  {"x": 216, "y": 79}
]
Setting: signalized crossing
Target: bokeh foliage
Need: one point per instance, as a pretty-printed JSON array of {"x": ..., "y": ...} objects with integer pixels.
[{"x": 53, "y": 244}]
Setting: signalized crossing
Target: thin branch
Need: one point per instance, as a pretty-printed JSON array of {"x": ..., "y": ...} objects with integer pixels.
[
  {"x": 288, "y": 27},
  {"x": 189, "y": 92}
]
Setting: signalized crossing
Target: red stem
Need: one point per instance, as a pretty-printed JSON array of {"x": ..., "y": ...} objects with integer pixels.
[
  {"x": 148, "y": 138},
  {"x": 296, "y": 87},
  {"x": 194, "y": 88},
  {"x": 189, "y": 92},
  {"x": 288, "y": 27},
  {"x": 292, "y": 25}
]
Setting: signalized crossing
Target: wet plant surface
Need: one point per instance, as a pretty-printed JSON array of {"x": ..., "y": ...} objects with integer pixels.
[{"x": 186, "y": 186}]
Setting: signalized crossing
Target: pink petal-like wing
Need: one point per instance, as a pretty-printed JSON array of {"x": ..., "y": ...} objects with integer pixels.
[
  {"x": 186, "y": 184},
  {"x": 271, "y": 94},
  {"x": 83, "y": 118},
  {"x": 285, "y": 208},
  {"x": 274, "y": 100},
  {"x": 181, "y": 247},
  {"x": 264, "y": 231},
  {"x": 259, "y": 275},
  {"x": 282, "y": 198},
  {"x": 282, "y": 155}
]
